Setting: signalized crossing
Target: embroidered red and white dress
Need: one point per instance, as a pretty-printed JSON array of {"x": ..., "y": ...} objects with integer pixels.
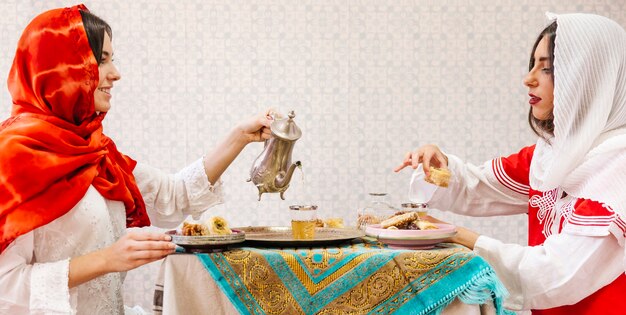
[{"x": 574, "y": 257}]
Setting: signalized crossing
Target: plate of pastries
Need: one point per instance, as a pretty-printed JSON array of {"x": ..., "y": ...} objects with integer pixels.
[
  {"x": 406, "y": 230},
  {"x": 213, "y": 234}
]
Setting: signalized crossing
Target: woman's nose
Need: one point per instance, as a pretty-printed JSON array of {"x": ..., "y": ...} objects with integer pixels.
[
  {"x": 114, "y": 75},
  {"x": 529, "y": 80}
]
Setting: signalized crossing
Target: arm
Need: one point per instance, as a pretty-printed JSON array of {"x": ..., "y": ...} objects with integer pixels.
[
  {"x": 29, "y": 285},
  {"x": 485, "y": 190},
  {"x": 254, "y": 129},
  {"x": 171, "y": 198},
  {"x": 129, "y": 252},
  {"x": 16, "y": 271},
  {"x": 475, "y": 191},
  {"x": 546, "y": 276}
]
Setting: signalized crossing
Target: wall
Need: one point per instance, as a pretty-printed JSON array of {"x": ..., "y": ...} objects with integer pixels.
[{"x": 368, "y": 80}]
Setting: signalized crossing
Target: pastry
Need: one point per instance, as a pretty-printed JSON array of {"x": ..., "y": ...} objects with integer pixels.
[
  {"x": 438, "y": 176},
  {"x": 425, "y": 225},
  {"x": 193, "y": 229},
  {"x": 218, "y": 226},
  {"x": 366, "y": 219},
  {"x": 334, "y": 223},
  {"x": 400, "y": 221}
]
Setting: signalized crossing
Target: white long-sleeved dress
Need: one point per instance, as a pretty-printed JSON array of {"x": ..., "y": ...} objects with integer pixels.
[
  {"x": 576, "y": 251},
  {"x": 34, "y": 268}
]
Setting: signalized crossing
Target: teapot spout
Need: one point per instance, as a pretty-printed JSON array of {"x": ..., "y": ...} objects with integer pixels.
[{"x": 282, "y": 179}]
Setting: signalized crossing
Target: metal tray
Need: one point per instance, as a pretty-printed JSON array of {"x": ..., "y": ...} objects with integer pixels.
[
  {"x": 209, "y": 243},
  {"x": 280, "y": 236}
]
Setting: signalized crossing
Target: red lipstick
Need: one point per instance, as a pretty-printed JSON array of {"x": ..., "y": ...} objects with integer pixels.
[{"x": 534, "y": 99}]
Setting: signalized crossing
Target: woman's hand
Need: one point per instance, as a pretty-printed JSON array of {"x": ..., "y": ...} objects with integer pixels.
[
  {"x": 129, "y": 252},
  {"x": 136, "y": 249},
  {"x": 256, "y": 128},
  {"x": 428, "y": 155},
  {"x": 463, "y": 236}
]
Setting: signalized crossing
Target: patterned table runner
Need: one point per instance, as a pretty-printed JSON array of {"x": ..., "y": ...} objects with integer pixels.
[{"x": 361, "y": 277}]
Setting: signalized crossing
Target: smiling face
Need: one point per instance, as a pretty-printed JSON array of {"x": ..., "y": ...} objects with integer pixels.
[
  {"x": 540, "y": 83},
  {"x": 108, "y": 75}
]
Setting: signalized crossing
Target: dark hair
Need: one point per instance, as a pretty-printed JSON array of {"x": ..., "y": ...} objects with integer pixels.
[
  {"x": 544, "y": 127},
  {"x": 95, "y": 28}
]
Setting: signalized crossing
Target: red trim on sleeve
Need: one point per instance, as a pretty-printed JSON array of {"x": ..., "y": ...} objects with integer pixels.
[
  {"x": 513, "y": 171},
  {"x": 592, "y": 213}
]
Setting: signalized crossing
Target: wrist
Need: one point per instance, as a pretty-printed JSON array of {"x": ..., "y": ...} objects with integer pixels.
[
  {"x": 239, "y": 136},
  {"x": 87, "y": 267},
  {"x": 466, "y": 237},
  {"x": 101, "y": 261}
]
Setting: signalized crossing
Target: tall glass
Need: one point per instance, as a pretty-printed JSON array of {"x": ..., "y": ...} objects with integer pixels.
[
  {"x": 420, "y": 191},
  {"x": 375, "y": 211},
  {"x": 303, "y": 219},
  {"x": 420, "y": 208}
]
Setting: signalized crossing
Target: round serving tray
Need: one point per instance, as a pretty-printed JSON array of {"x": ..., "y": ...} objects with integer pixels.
[{"x": 280, "y": 236}]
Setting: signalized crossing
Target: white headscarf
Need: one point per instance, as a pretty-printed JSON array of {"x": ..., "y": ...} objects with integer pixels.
[{"x": 587, "y": 155}]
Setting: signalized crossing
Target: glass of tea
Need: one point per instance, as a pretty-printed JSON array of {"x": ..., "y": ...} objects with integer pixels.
[
  {"x": 420, "y": 208},
  {"x": 303, "y": 219}
]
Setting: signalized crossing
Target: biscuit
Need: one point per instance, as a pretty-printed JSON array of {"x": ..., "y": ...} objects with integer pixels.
[
  {"x": 438, "y": 176},
  {"x": 425, "y": 225},
  {"x": 192, "y": 229},
  {"x": 334, "y": 223},
  {"x": 399, "y": 221},
  {"x": 218, "y": 226}
]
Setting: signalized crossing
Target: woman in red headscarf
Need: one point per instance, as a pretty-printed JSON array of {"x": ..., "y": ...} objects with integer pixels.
[{"x": 66, "y": 193}]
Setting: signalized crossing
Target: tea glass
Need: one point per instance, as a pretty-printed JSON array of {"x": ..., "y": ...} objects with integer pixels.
[
  {"x": 420, "y": 208},
  {"x": 303, "y": 221}
]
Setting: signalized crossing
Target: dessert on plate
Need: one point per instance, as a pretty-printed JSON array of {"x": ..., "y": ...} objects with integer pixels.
[
  {"x": 407, "y": 221},
  {"x": 213, "y": 226}
]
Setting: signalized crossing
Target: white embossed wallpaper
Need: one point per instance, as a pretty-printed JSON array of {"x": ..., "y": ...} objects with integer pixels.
[{"x": 368, "y": 80}]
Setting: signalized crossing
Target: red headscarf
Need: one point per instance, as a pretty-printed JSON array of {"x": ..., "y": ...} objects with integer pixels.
[{"x": 52, "y": 147}]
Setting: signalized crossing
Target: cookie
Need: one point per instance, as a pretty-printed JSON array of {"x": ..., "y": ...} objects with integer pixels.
[
  {"x": 438, "y": 176},
  {"x": 399, "y": 220}
]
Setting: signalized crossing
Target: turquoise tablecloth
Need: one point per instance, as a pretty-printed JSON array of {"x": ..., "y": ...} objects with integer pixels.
[{"x": 361, "y": 277}]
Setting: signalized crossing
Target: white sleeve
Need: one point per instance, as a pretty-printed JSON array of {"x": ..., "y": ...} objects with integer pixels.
[
  {"x": 474, "y": 191},
  {"x": 170, "y": 198},
  {"x": 564, "y": 270},
  {"x": 40, "y": 288}
]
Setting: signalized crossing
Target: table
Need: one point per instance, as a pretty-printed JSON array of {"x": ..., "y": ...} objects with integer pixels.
[{"x": 358, "y": 277}]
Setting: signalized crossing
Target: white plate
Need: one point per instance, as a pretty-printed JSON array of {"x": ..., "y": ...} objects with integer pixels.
[{"x": 411, "y": 239}]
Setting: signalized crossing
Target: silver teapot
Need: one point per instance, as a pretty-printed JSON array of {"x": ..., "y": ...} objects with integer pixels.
[{"x": 272, "y": 170}]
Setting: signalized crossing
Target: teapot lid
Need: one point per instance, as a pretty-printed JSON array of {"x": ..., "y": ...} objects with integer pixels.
[{"x": 286, "y": 128}]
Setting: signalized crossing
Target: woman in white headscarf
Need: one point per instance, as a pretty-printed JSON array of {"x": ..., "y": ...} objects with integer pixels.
[{"x": 571, "y": 183}]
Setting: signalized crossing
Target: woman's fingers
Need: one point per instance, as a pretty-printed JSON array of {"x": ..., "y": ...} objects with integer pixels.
[
  {"x": 148, "y": 236},
  {"x": 151, "y": 254},
  {"x": 265, "y": 120},
  {"x": 154, "y": 245},
  {"x": 429, "y": 155},
  {"x": 415, "y": 159},
  {"x": 441, "y": 159},
  {"x": 266, "y": 133},
  {"x": 406, "y": 162},
  {"x": 426, "y": 159}
]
